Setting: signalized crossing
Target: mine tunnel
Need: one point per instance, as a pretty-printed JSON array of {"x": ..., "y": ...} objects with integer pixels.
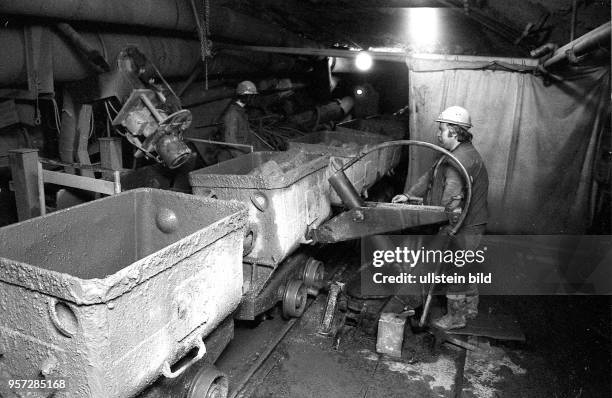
[{"x": 305, "y": 198}]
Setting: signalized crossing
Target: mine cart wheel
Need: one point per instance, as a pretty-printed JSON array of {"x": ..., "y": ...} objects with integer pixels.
[
  {"x": 209, "y": 382},
  {"x": 294, "y": 299},
  {"x": 314, "y": 272}
]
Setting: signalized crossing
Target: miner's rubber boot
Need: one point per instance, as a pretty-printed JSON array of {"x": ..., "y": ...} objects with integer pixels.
[
  {"x": 456, "y": 312},
  {"x": 460, "y": 308}
]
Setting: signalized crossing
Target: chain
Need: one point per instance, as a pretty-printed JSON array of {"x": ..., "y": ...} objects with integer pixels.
[
  {"x": 202, "y": 21},
  {"x": 207, "y": 47}
]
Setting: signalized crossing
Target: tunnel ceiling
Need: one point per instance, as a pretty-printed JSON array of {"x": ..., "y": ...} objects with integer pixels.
[
  {"x": 490, "y": 27},
  {"x": 165, "y": 30}
]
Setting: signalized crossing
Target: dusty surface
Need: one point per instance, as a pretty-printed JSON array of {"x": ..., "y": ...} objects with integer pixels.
[
  {"x": 567, "y": 355},
  {"x": 306, "y": 364}
]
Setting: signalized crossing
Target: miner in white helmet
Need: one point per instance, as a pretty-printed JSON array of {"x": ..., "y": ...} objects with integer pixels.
[
  {"x": 443, "y": 185},
  {"x": 235, "y": 127}
]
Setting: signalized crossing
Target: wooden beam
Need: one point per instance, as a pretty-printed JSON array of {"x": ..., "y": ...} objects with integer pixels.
[{"x": 24, "y": 171}]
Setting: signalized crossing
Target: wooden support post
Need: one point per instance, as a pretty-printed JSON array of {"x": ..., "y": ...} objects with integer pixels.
[
  {"x": 111, "y": 154},
  {"x": 85, "y": 114},
  {"x": 24, "y": 170}
]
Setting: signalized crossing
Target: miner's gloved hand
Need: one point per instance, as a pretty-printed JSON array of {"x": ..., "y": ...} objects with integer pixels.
[
  {"x": 453, "y": 215},
  {"x": 403, "y": 198},
  {"x": 453, "y": 209}
]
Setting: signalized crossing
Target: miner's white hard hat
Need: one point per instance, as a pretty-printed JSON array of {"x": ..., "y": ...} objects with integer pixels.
[
  {"x": 456, "y": 115},
  {"x": 246, "y": 87}
]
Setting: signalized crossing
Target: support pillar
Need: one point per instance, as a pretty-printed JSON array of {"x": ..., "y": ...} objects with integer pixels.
[{"x": 24, "y": 170}]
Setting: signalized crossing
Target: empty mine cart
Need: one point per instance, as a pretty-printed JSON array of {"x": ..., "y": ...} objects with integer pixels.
[
  {"x": 109, "y": 295},
  {"x": 345, "y": 145},
  {"x": 287, "y": 195}
]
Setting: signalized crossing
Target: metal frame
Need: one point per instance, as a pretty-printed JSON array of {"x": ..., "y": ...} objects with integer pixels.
[
  {"x": 29, "y": 178},
  {"x": 222, "y": 143}
]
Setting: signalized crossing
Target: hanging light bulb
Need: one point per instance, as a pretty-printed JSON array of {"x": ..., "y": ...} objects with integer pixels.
[{"x": 363, "y": 61}]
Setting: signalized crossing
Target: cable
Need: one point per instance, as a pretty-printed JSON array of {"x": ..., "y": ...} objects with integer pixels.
[
  {"x": 91, "y": 125},
  {"x": 112, "y": 107},
  {"x": 262, "y": 140},
  {"x": 291, "y": 129},
  {"x": 56, "y": 116},
  {"x": 452, "y": 157},
  {"x": 111, "y": 118}
]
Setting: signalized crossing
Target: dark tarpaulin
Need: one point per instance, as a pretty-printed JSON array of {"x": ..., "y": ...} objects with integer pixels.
[{"x": 538, "y": 142}]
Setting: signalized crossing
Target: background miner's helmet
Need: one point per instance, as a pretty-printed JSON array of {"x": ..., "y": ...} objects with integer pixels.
[
  {"x": 246, "y": 88},
  {"x": 456, "y": 115}
]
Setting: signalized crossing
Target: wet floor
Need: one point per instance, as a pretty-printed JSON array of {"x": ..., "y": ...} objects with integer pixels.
[
  {"x": 306, "y": 364},
  {"x": 567, "y": 354}
]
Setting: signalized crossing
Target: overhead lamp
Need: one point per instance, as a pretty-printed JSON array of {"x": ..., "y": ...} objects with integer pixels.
[
  {"x": 423, "y": 27},
  {"x": 363, "y": 61}
]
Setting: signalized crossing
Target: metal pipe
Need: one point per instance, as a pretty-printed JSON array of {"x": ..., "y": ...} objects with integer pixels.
[
  {"x": 393, "y": 3},
  {"x": 321, "y": 114},
  {"x": 196, "y": 96},
  {"x": 582, "y": 44},
  {"x": 94, "y": 56},
  {"x": 346, "y": 65},
  {"x": 466, "y": 175},
  {"x": 346, "y": 190},
  {"x": 316, "y": 52},
  {"x": 526, "y": 62},
  {"x": 222, "y": 143},
  {"x": 167, "y": 14},
  {"x": 543, "y": 50},
  {"x": 158, "y": 14},
  {"x": 172, "y": 56},
  {"x": 573, "y": 22}
]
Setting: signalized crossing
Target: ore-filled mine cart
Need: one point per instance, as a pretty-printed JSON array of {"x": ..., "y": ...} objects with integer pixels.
[
  {"x": 287, "y": 194},
  {"x": 112, "y": 294},
  {"x": 343, "y": 146}
]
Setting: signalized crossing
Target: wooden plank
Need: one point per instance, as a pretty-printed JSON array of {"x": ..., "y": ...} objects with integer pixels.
[
  {"x": 111, "y": 154},
  {"x": 74, "y": 181},
  {"x": 24, "y": 171},
  {"x": 500, "y": 327}
]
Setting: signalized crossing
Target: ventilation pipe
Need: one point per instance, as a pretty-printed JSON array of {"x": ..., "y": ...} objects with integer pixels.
[
  {"x": 581, "y": 45},
  {"x": 158, "y": 14},
  {"x": 172, "y": 56}
]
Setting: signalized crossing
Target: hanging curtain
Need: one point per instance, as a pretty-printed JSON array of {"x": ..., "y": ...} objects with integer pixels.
[{"x": 538, "y": 141}]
